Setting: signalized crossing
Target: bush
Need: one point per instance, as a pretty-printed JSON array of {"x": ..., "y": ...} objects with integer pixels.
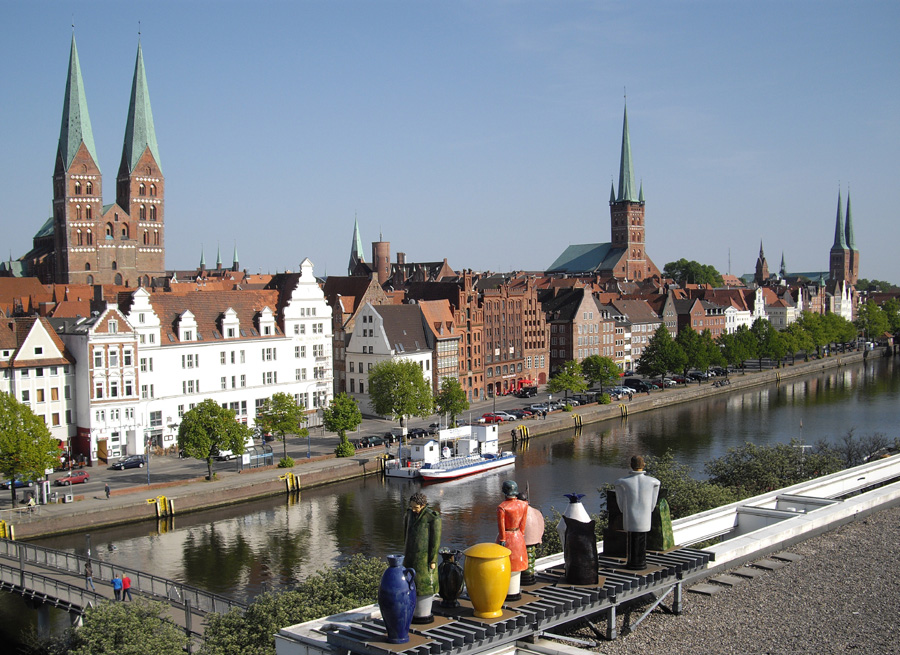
[
  {"x": 286, "y": 463},
  {"x": 686, "y": 495},
  {"x": 567, "y": 408},
  {"x": 344, "y": 449},
  {"x": 603, "y": 399}
]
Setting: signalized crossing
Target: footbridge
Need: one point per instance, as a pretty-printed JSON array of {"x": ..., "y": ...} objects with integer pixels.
[{"x": 54, "y": 578}]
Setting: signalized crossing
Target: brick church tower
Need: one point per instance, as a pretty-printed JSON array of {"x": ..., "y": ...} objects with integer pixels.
[
  {"x": 844, "y": 260},
  {"x": 626, "y": 208},
  {"x": 121, "y": 243}
]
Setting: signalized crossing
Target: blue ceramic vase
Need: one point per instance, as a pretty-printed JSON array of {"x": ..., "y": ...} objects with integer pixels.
[
  {"x": 450, "y": 578},
  {"x": 397, "y": 599}
]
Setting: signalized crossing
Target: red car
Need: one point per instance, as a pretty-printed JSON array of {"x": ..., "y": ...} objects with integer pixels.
[
  {"x": 491, "y": 418},
  {"x": 72, "y": 478}
]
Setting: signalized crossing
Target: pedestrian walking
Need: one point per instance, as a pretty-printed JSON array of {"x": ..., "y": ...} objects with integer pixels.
[
  {"x": 106, "y": 489},
  {"x": 126, "y": 587},
  {"x": 117, "y": 586},
  {"x": 89, "y": 576}
]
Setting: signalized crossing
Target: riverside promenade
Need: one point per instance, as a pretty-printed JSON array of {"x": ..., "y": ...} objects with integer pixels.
[{"x": 132, "y": 503}]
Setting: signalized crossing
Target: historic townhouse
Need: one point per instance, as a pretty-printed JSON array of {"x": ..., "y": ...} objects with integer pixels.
[
  {"x": 644, "y": 322},
  {"x": 39, "y": 371},
  {"x": 443, "y": 339},
  {"x": 385, "y": 333},
  {"x": 108, "y": 418},
  {"x": 579, "y": 326},
  {"x": 237, "y": 347}
]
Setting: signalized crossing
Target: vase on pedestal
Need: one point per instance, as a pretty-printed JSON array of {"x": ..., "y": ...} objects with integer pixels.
[
  {"x": 450, "y": 578},
  {"x": 487, "y": 572},
  {"x": 397, "y": 599}
]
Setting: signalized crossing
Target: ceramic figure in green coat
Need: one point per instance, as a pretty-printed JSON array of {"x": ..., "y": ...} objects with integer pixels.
[{"x": 422, "y": 529}]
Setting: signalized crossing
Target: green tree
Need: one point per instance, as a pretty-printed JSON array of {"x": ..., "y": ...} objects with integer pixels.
[
  {"x": 27, "y": 449},
  {"x": 746, "y": 344},
  {"x": 281, "y": 415},
  {"x": 863, "y": 284},
  {"x": 398, "y": 389},
  {"x": 341, "y": 416},
  {"x": 714, "y": 355},
  {"x": 326, "y": 592},
  {"x": 695, "y": 352},
  {"x": 568, "y": 378},
  {"x": 753, "y": 469},
  {"x": 684, "y": 494},
  {"x": 839, "y": 329},
  {"x": 796, "y": 340},
  {"x": 128, "y": 629},
  {"x": 871, "y": 320},
  {"x": 768, "y": 341},
  {"x": 451, "y": 399},
  {"x": 891, "y": 308},
  {"x": 815, "y": 326},
  {"x": 597, "y": 368},
  {"x": 208, "y": 429},
  {"x": 691, "y": 272},
  {"x": 661, "y": 355}
]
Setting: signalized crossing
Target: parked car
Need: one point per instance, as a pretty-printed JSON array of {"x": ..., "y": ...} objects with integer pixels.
[
  {"x": 637, "y": 385},
  {"x": 539, "y": 407},
  {"x": 492, "y": 418},
  {"x": 16, "y": 482},
  {"x": 527, "y": 392},
  {"x": 526, "y": 412},
  {"x": 137, "y": 462},
  {"x": 72, "y": 478},
  {"x": 506, "y": 416}
]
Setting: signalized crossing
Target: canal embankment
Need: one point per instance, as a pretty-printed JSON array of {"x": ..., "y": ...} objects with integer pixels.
[{"x": 141, "y": 502}]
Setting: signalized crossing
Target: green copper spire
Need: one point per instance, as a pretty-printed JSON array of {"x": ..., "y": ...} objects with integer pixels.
[
  {"x": 840, "y": 242},
  {"x": 234, "y": 260},
  {"x": 218, "y": 256},
  {"x": 641, "y": 194},
  {"x": 76, "y": 123},
  {"x": 356, "y": 249},
  {"x": 626, "y": 170},
  {"x": 612, "y": 192},
  {"x": 139, "y": 131},
  {"x": 202, "y": 259},
  {"x": 851, "y": 243}
]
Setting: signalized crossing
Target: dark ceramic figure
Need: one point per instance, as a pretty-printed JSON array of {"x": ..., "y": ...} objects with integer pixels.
[
  {"x": 450, "y": 577},
  {"x": 580, "y": 552},
  {"x": 397, "y": 599}
]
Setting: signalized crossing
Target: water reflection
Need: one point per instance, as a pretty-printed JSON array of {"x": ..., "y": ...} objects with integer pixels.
[{"x": 243, "y": 550}]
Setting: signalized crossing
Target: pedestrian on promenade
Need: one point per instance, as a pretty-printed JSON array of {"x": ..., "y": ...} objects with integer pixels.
[
  {"x": 117, "y": 586},
  {"x": 126, "y": 587},
  {"x": 106, "y": 489},
  {"x": 89, "y": 576}
]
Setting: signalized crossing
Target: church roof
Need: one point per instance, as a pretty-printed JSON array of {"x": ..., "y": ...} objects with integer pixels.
[
  {"x": 139, "y": 131},
  {"x": 76, "y": 122},
  {"x": 586, "y": 258}
]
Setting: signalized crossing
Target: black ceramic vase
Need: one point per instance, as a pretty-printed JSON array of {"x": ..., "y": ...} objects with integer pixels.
[
  {"x": 397, "y": 599},
  {"x": 450, "y": 578}
]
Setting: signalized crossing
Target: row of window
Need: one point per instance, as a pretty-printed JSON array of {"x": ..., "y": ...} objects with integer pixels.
[
  {"x": 234, "y": 381},
  {"x": 38, "y": 371},
  {"x": 114, "y": 388},
  {"x": 88, "y": 188},
  {"x": 493, "y": 371},
  {"x": 142, "y": 189},
  {"x": 41, "y": 396},
  {"x": 112, "y": 356},
  {"x": 117, "y": 414}
]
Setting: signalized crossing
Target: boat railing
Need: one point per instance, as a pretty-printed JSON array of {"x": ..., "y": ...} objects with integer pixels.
[{"x": 454, "y": 462}]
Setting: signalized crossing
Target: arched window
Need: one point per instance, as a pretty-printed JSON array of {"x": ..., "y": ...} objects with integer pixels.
[
  {"x": 152, "y": 212},
  {"x": 77, "y": 188},
  {"x": 142, "y": 190},
  {"x": 79, "y": 238},
  {"x": 109, "y": 231},
  {"x": 155, "y": 237},
  {"x": 115, "y": 265},
  {"x": 125, "y": 231},
  {"x": 118, "y": 278},
  {"x": 90, "y": 279},
  {"x": 88, "y": 214},
  {"x": 87, "y": 266},
  {"x": 89, "y": 188},
  {"x": 152, "y": 189},
  {"x": 143, "y": 213},
  {"x": 146, "y": 238},
  {"x": 90, "y": 238},
  {"x": 77, "y": 212}
]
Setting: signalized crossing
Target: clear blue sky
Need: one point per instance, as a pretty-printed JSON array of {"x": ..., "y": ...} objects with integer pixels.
[{"x": 484, "y": 132}]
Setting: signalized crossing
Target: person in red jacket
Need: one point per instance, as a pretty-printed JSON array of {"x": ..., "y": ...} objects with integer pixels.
[{"x": 126, "y": 587}]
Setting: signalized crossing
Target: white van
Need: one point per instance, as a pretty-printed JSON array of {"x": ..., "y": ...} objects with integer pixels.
[{"x": 226, "y": 455}]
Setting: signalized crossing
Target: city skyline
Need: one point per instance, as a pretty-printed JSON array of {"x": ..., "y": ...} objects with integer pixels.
[{"x": 486, "y": 133}]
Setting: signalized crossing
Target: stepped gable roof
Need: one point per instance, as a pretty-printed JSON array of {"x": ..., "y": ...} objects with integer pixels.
[
  {"x": 284, "y": 284},
  {"x": 403, "y": 327},
  {"x": 638, "y": 311},
  {"x": 563, "y": 305},
  {"x": 438, "y": 317},
  {"x": 208, "y": 308}
]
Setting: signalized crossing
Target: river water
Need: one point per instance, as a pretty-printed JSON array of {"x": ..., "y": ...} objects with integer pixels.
[{"x": 272, "y": 543}]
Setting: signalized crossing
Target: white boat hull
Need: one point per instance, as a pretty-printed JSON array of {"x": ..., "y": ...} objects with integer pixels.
[{"x": 438, "y": 474}]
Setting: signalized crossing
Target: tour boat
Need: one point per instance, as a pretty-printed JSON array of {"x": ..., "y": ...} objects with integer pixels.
[{"x": 452, "y": 453}]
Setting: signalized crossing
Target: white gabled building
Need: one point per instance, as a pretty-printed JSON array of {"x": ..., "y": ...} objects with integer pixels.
[
  {"x": 385, "y": 333},
  {"x": 107, "y": 419},
  {"x": 237, "y": 347},
  {"x": 39, "y": 371}
]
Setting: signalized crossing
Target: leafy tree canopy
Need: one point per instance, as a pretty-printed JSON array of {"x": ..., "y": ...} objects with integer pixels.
[
  {"x": 686, "y": 495},
  {"x": 872, "y": 320},
  {"x": 398, "y": 389},
  {"x": 863, "y": 284},
  {"x": 281, "y": 415},
  {"x": 208, "y": 429},
  {"x": 694, "y": 349},
  {"x": 568, "y": 378},
  {"x": 891, "y": 309},
  {"x": 134, "y": 628},
  {"x": 661, "y": 355},
  {"x": 597, "y": 368},
  {"x": 341, "y": 416},
  {"x": 691, "y": 272},
  {"x": 27, "y": 449},
  {"x": 451, "y": 399}
]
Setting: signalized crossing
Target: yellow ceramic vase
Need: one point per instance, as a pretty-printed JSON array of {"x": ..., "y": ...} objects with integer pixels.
[{"x": 487, "y": 572}]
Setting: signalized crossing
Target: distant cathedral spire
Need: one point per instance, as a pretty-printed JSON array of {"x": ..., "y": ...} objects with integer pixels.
[
  {"x": 626, "y": 168},
  {"x": 356, "y": 249}
]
